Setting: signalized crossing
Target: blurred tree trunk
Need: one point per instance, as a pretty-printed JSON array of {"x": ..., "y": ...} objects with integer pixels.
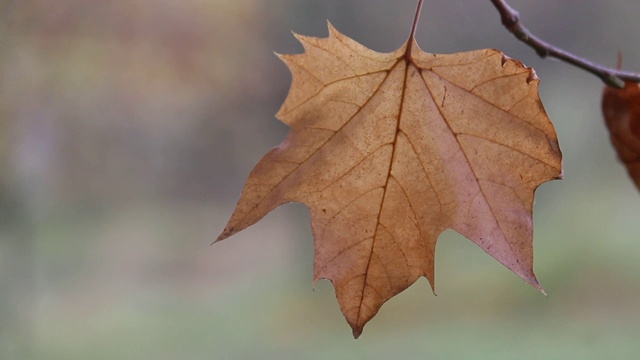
[{"x": 16, "y": 242}]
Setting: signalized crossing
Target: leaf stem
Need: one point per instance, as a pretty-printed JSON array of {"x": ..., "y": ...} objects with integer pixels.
[
  {"x": 511, "y": 20},
  {"x": 412, "y": 36}
]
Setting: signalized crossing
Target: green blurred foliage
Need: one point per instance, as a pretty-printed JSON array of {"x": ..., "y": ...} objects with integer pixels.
[{"x": 128, "y": 127}]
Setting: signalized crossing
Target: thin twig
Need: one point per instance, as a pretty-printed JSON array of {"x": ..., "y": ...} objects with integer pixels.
[{"x": 511, "y": 20}]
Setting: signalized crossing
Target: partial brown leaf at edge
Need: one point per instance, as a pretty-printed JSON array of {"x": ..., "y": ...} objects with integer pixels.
[
  {"x": 389, "y": 150},
  {"x": 621, "y": 110}
]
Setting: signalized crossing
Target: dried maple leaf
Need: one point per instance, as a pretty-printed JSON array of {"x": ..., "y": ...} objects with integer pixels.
[
  {"x": 389, "y": 150},
  {"x": 621, "y": 109}
]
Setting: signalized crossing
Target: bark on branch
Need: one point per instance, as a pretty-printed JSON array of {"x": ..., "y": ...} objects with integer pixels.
[{"x": 511, "y": 20}]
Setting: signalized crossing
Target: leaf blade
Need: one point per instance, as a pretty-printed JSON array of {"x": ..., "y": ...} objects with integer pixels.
[{"x": 388, "y": 151}]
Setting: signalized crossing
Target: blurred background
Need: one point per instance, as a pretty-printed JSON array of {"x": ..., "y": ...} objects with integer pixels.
[{"x": 127, "y": 130}]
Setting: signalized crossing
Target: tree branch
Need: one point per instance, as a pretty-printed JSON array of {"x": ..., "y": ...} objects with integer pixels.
[{"x": 511, "y": 20}]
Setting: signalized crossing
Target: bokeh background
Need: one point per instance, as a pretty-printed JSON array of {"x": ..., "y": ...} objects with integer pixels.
[{"x": 128, "y": 127}]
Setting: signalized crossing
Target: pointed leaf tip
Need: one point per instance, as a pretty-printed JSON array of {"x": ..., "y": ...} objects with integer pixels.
[
  {"x": 219, "y": 238},
  {"x": 331, "y": 28},
  {"x": 543, "y": 292}
]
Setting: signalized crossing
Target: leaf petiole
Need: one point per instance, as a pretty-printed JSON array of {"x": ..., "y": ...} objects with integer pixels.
[{"x": 412, "y": 36}]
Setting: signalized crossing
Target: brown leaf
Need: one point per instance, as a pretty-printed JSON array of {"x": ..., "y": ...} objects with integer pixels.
[
  {"x": 389, "y": 150},
  {"x": 621, "y": 109}
]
